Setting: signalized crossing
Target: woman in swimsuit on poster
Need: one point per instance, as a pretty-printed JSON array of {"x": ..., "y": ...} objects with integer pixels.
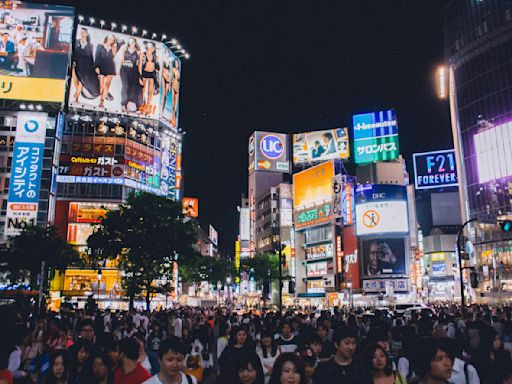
[
  {"x": 166, "y": 79},
  {"x": 105, "y": 66},
  {"x": 175, "y": 92},
  {"x": 150, "y": 68}
]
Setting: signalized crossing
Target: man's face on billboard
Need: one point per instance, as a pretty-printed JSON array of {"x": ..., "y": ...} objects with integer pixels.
[{"x": 373, "y": 260}]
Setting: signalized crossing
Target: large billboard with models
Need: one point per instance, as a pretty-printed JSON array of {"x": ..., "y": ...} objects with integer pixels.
[
  {"x": 35, "y": 44},
  {"x": 125, "y": 74},
  {"x": 320, "y": 146}
]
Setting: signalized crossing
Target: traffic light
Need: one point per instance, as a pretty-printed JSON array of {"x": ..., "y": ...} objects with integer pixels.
[
  {"x": 473, "y": 276},
  {"x": 291, "y": 287},
  {"x": 506, "y": 225}
]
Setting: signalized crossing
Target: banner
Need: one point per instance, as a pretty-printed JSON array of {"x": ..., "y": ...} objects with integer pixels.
[
  {"x": 26, "y": 169},
  {"x": 34, "y": 51},
  {"x": 383, "y": 256},
  {"x": 320, "y": 146}
]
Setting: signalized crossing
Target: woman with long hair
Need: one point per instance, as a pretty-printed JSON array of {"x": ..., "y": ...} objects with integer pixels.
[
  {"x": 239, "y": 342},
  {"x": 248, "y": 368},
  {"x": 166, "y": 78},
  {"x": 83, "y": 75},
  {"x": 101, "y": 369},
  {"x": 490, "y": 358},
  {"x": 288, "y": 369},
  {"x": 130, "y": 73},
  {"x": 150, "y": 71},
  {"x": 80, "y": 368},
  {"x": 105, "y": 66},
  {"x": 175, "y": 87},
  {"x": 379, "y": 365},
  {"x": 60, "y": 366},
  {"x": 268, "y": 351}
]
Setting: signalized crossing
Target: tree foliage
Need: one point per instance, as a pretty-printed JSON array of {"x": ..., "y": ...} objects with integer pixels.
[
  {"x": 148, "y": 233},
  {"x": 21, "y": 256},
  {"x": 263, "y": 266}
]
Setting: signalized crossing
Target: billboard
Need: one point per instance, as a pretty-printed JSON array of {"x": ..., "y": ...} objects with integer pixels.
[
  {"x": 214, "y": 236},
  {"x": 313, "y": 186},
  {"x": 123, "y": 74},
  {"x": 244, "y": 224},
  {"x": 387, "y": 285},
  {"x": 26, "y": 170},
  {"x": 435, "y": 169},
  {"x": 375, "y": 136},
  {"x": 320, "y": 146},
  {"x": 190, "y": 206},
  {"x": 90, "y": 213},
  {"x": 381, "y": 209},
  {"x": 268, "y": 152},
  {"x": 493, "y": 155},
  {"x": 34, "y": 51},
  {"x": 383, "y": 256}
]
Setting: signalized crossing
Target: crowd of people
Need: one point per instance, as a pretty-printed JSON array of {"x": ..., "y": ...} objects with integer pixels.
[{"x": 216, "y": 345}]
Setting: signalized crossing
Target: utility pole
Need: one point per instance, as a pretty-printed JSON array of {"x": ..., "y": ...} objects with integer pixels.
[{"x": 461, "y": 268}]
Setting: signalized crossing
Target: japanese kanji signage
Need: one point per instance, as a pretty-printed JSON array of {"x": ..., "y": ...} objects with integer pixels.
[{"x": 27, "y": 164}]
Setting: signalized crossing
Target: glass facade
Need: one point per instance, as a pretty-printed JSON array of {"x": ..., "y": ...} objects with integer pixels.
[{"x": 478, "y": 45}]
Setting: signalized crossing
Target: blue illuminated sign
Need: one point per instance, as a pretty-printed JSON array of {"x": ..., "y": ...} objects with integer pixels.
[
  {"x": 27, "y": 165},
  {"x": 272, "y": 147},
  {"x": 435, "y": 169},
  {"x": 375, "y": 136}
]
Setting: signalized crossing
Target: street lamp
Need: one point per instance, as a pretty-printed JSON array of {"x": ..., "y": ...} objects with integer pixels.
[
  {"x": 228, "y": 287},
  {"x": 99, "y": 282},
  {"x": 350, "y": 296}
]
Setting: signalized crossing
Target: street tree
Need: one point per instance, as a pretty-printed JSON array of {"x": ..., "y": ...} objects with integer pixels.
[
  {"x": 147, "y": 234},
  {"x": 263, "y": 266},
  {"x": 36, "y": 249}
]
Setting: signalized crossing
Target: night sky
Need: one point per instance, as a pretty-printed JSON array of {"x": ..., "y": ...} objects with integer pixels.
[{"x": 289, "y": 66}]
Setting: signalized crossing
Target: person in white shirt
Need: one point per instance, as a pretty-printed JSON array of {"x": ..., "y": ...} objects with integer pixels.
[
  {"x": 177, "y": 324},
  {"x": 171, "y": 356},
  {"x": 462, "y": 372}
]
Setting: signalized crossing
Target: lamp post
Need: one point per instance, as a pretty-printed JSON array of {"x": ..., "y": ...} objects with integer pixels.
[
  {"x": 99, "y": 282},
  {"x": 461, "y": 268},
  {"x": 350, "y": 297},
  {"x": 228, "y": 287}
]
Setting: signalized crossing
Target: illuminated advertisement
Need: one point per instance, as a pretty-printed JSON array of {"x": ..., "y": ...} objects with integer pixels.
[
  {"x": 101, "y": 166},
  {"x": 319, "y": 146},
  {"x": 244, "y": 224},
  {"x": 375, "y": 136},
  {"x": 91, "y": 213},
  {"x": 383, "y": 256},
  {"x": 34, "y": 50},
  {"x": 313, "y": 186},
  {"x": 315, "y": 216},
  {"x": 79, "y": 233},
  {"x": 124, "y": 74},
  {"x": 190, "y": 206},
  {"x": 169, "y": 153},
  {"x": 214, "y": 236},
  {"x": 381, "y": 209},
  {"x": 379, "y": 286},
  {"x": 493, "y": 154},
  {"x": 319, "y": 251},
  {"x": 320, "y": 268},
  {"x": 435, "y": 169},
  {"x": 347, "y": 203},
  {"x": 269, "y": 152},
  {"x": 27, "y": 166}
]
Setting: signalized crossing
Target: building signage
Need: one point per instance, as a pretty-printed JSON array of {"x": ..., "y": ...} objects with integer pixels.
[
  {"x": 314, "y": 216},
  {"x": 337, "y": 196},
  {"x": 320, "y": 146},
  {"x": 319, "y": 251},
  {"x": 348, "y": 205},
  {"x": 268, "y": 152},
  {"x": 435, "y": 169},
  {"x": 375, "y": 136},
  {"x": 379, "y": 286},
  {"x": 27, "y": 166},
  {"x": 493, "y": 155},
  {"x": 190, "y": 206}
]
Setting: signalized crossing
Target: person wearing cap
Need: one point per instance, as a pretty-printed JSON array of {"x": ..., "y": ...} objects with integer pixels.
[
  {"x": 341, "y": 368},
  {"x": 27, "y": 48}
]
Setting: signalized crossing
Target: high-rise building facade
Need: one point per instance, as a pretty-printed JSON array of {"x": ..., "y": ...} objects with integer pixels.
[{"x": 478, "y": 46}]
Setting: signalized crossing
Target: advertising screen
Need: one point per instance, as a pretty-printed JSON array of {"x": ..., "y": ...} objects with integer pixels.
[
  {"x": 34, "y": 51},
  {"x": 321, "y": 146},
  {"x": 435, "y": 169},
  {"x": 269, "y": 152},
  {"x": 124, "y": 74},
  {"x": 381, "y": 209},
  {"x": 190, "y": 206},
  {"x": 493, "y": 154},
  {"x": 383, "y": 256},
  {"x": 375, "y": 136},
  {"x": 91, "y": 213},
  {"x": 313, "y": 186},
  {"x": 214, "y": 236},
  {"x": 27, "y": 166},
  {"x": 244, "y": 224}
]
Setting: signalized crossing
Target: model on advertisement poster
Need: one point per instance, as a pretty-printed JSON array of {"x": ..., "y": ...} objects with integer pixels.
[{"x": 383, "y": 257}]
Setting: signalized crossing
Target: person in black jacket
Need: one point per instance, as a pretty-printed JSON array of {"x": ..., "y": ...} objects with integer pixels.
[
  {"x": 239, "y": 342},
  {"x": 341, "y": 368}
]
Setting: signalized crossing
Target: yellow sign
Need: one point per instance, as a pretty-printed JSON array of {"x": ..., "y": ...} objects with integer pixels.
[
  {"x": 313, "y": 186},
  {"x": 438, "y": 257},
  {"x": 32, "y": 89},
  {"x": 237, "y": 255}
]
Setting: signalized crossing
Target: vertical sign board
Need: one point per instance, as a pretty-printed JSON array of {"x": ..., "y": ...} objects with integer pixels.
[
  {"x": 27, "y": 164},
  {"x": 375, "y": 136},
  {"x": 337, "y": 192}
]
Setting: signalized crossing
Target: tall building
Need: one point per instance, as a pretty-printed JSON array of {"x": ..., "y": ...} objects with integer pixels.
[{"x": 478, "y": 47}]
